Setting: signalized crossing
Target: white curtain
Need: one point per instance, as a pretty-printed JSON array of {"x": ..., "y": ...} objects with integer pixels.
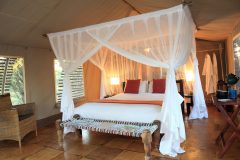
[
  {"x": 99, "y": 60},
  {"x": 199, "y": 106},
  {"x": 72, "y": 49},
  {"x": 215, "y": 73},
  {"x": 208, "y": 73},
  {"x": 114, "y": 65},
  {"x": 167, "y": 34}
]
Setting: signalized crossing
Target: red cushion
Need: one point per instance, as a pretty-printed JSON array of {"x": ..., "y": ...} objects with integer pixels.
[
  {"x": 132, "y": 86},
  {"x": 159, "y": 85}
]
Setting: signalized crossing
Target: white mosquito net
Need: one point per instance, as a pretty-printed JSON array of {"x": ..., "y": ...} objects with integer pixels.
[
  {"x": 168, "y": 33},
  {"x": 113, "y": 65}
]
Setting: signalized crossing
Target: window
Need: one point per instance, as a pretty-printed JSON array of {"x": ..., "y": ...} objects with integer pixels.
[
  {"x": 12, "y": 78},
  {"x": 76, "y": 79},
  {"x": 236, "y": 51}
]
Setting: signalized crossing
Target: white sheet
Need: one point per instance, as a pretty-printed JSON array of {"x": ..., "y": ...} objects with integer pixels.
[
  {"x": 140, "y": 96},
  {"x": 145, "y": 113}
]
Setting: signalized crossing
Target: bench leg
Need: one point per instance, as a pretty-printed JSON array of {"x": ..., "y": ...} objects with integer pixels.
[
  {"x": 156, "y": 135},
  {"x": 20, "y": 145},
  {"x": 147, "y": 139},
  {"x": 78, "y": 132},
  {"x": 59, "y": 133}
]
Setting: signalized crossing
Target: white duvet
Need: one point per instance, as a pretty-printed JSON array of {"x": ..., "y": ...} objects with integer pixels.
[
  {"x": 141, "y": 96},
  {"x": 145, "y": 113}
]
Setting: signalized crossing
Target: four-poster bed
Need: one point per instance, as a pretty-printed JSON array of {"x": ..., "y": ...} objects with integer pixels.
[{"x": 163, "y": 39}]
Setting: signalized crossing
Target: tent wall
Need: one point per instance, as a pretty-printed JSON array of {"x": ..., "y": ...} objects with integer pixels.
[
  {"x": 39, "y": 78},
  {"x": 92, "y": 77},
  {"x": 230, "y": 55},
  {"x": 210, "y": 47}
]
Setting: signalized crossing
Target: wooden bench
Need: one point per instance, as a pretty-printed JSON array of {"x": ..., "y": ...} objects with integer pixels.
[{"x": 134, "y": 129}]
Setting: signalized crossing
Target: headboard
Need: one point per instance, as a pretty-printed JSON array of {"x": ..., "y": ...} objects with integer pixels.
[
  {"x": 179, "y": 84},
  {"x": 180, "y": 90}
]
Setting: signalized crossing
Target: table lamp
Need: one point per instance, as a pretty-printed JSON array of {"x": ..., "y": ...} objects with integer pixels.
[{"x": 114, "y": 81}]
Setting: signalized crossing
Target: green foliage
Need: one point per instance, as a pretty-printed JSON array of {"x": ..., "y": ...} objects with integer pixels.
[{"x": 17, "y": 83}]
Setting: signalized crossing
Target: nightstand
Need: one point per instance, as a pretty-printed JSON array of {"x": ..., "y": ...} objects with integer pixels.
[{"x": 189, "y": 104}]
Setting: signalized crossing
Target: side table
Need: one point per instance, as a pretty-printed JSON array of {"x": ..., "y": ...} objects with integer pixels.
[{"x": 231, "y": 123}]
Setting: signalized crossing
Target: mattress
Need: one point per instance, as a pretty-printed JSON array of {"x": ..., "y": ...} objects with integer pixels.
[
  {"x": 140, "y": 96},
  {"x": 144, "y": 113}
]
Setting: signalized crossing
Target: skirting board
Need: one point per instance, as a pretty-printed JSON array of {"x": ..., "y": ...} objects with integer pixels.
[{"x": 48, "y": 121}]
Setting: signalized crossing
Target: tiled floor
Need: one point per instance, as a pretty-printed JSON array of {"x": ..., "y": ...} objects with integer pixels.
[{"x": 200, "y": 145}]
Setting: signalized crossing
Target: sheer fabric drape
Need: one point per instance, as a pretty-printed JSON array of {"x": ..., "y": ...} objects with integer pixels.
[
  {"x": 167, "y": 34},
  {"x": 112, "y": 64},
  {"x": 199, "y": 107}
]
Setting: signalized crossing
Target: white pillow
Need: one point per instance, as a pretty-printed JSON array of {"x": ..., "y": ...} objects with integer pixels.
[
  {"x": 150, "y": 87},
  {"x": 143, "y": 87}
]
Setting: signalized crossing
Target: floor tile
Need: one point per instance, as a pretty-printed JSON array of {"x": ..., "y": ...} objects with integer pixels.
[
  {"x": 129, "y": 155},
  {"x": 104, "y": 153},
  {"x": 199, "y": 145},
  {"x": 67, "y": 156},
  {"x": 121, "y": 143},
  {"x": 136, "y": 146},
  {"x": 44, "y": 154},
  {"x": 80, "y": 149}
]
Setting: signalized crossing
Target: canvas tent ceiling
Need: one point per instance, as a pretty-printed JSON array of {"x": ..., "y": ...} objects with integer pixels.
[{"x": 24, "y": 21}]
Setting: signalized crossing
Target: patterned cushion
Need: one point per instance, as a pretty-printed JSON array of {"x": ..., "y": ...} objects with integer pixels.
[
  {"x": 5, "y": 102},
  {"x": 133, "y": 129}
]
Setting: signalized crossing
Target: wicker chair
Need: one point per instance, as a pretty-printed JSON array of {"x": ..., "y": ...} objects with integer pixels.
[{"x": 16, "y": 121}]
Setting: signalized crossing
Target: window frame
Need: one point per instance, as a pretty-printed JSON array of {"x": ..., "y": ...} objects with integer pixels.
[
  {"x": 233, "y": 39},
  {"x": 78, "y": 100},
  {"x": 237, "y": 36},
  {"x": 24, "y": 74}
]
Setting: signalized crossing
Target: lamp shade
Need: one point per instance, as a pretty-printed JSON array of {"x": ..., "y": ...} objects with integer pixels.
[
  {"x": 189, "y": 76},
  {"x": 115, "y": 81}
]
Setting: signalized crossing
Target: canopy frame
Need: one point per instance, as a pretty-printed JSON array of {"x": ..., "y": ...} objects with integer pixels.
[{"x": 175, "y": 43}]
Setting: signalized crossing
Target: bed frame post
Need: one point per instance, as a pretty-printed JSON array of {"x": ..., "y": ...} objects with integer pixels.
[
  {"x": 147, "y": 139},
  {"x": 78, "y": 132},
  {"x": 59, "y": 133},
  {"x": 156, "y": 135}
]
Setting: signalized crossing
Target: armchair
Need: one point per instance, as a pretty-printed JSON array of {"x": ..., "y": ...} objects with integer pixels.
[{"x": 16, "y": 121}]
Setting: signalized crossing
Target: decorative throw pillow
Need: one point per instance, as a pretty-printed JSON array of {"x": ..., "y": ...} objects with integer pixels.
[
  {"x": 159, "y": 85},
  {"x": 132, "y": 86},
  {"x": 143, "y": 87}
]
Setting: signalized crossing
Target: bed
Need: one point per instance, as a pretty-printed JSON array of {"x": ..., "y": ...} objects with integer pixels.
[
  {"x": 126, "y": 110},
  {"x": 127, "y": 107},
  {"x": 144, "y": 108}
]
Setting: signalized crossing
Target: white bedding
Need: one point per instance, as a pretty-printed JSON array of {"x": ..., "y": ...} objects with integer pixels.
[
  {"x": 145, "y": 113},
  {"x": 140, "y": 96}
]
